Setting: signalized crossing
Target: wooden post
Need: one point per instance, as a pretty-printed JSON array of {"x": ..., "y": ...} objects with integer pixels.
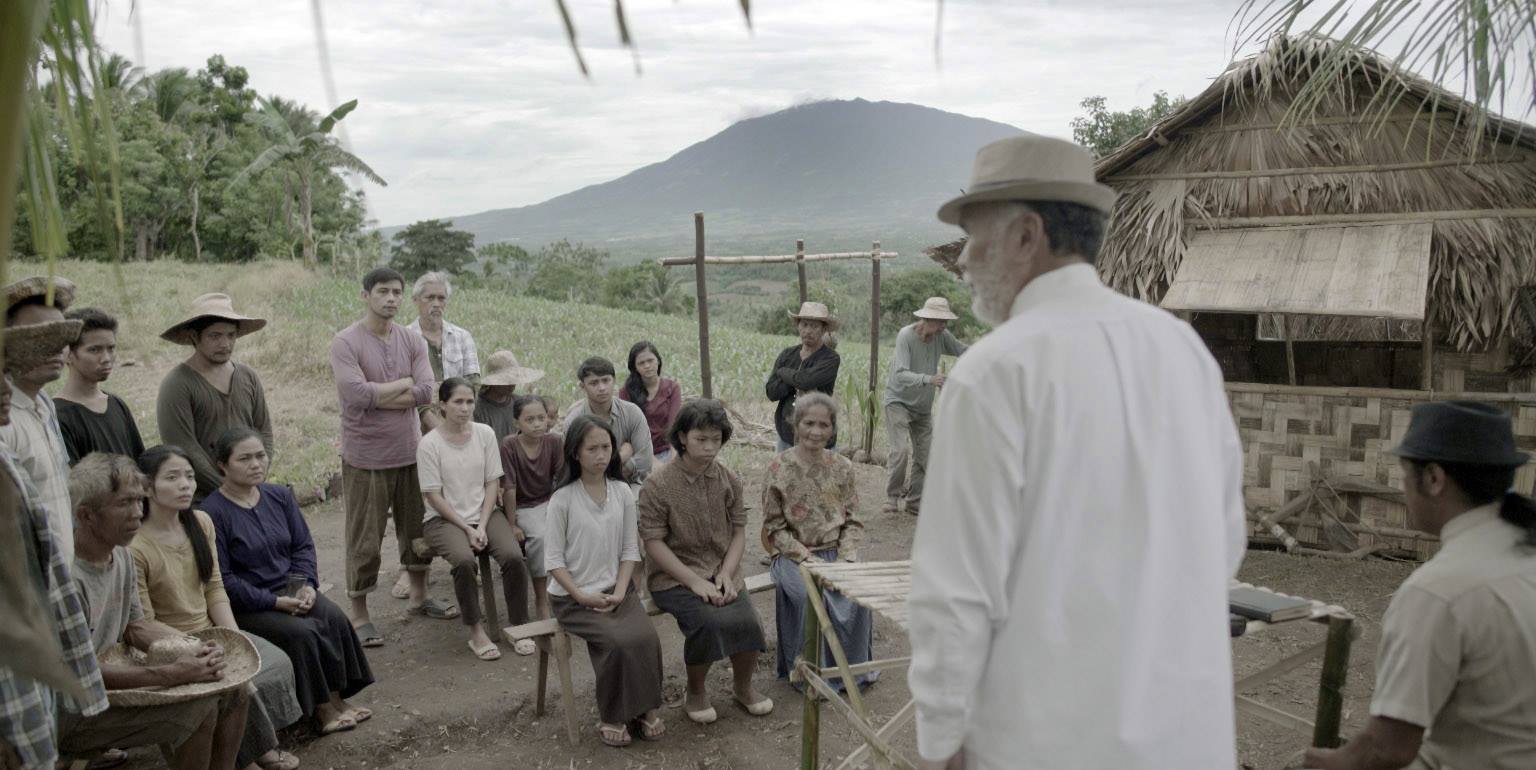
[
  {"x": 1290, "y": 349},
  {"x": 810, "y": 714},
  {"x": 1427, "y": 333},
  {"x": 1330, "y": 689},
  {"x": 800, "y": 267},
  {"x": 874, "y": 343},
  {"x": 701, "y": 292}
]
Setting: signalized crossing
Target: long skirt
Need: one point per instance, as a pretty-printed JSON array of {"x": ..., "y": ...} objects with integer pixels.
[
  {"x": 326, "y": 654},
  {"x": 855, "y": 625},
  {"x": 275, "y": 705},
  {"x": 625, "y": 653},
  {"x": 709, "y": 632}
]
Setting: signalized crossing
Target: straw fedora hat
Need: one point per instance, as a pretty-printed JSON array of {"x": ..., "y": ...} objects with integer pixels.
[
  {"x": 936, "y": 308},
  {"x": 502, "y": 369},
  {"x": 1031, "y": 167},
  {"x": 37, "y": 286},
  {"x": 241, "y": 661},
  {"x": 29, "y": 345},
  {"x": 815, "y": 311},
  {"x": 215, "y": 305}
]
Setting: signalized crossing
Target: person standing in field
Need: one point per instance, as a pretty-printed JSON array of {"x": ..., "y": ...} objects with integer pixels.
[
  {"x": 33, "y": 434},
  {"x": 1458, "y": 642},
  {"x": 1041, "y": 594},
  {"x": 90, "y": 419},
  {"x": 657, "y": 396},
  {"x": 210, "y": 392},
  {"x": 450, "y": 349},
  {"x": 625, "y": 419},
  {"x": 909, "y": 400},
  {"x": 382, "y": 376},
  {"x": 498, "y": 391},
  {"x": 808, "y": 367}
]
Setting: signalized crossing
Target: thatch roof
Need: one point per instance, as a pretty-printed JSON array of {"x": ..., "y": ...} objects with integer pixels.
[{"x": 1222, "y": 162}]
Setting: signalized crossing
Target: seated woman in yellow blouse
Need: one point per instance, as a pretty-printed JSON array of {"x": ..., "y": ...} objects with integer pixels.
[{"x": 180, "y": 586}]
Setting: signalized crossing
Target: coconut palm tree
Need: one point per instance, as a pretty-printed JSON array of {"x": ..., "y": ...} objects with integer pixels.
[
  {"x": 169, "y": 92},
  {"x": 304, "y": 155}
]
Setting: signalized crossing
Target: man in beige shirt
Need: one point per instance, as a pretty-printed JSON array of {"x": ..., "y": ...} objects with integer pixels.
[{"x": 1456, "y": 672}]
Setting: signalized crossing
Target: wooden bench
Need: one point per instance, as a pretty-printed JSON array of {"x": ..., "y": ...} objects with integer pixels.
[{"x": 543, "y": 631}]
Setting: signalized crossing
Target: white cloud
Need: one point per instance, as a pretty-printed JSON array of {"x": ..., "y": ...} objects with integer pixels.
[{"x": 477, "y": 105}]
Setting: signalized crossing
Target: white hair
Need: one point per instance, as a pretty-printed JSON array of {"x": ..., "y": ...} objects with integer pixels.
[{"x": 427, "y": 279}]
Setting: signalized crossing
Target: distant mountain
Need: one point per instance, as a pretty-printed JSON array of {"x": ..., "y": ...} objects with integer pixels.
[{"x": 837, "y": 173}]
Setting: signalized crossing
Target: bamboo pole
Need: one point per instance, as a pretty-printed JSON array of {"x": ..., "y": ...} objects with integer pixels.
[
  {"x": 800, "y": 268},
  {"x": 775, "y": 259},
  {"x": 1260, "y": 173},
  {"x": 810, "y": 715},
  {"x": 1290, "y": 348},
  {"x": 1427, "y": 364},
  {"x": 702, "y": 293},
  {"x": 1302, "y": 221},
  {"x": 874, "y": 344},
  {"x": 1330, "y": 689}
]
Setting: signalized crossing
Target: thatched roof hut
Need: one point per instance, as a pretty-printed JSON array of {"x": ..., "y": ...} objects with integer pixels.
[{"x": 1384, "y": 218}]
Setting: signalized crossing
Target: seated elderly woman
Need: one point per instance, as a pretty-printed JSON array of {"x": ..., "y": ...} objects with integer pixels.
[
  {"x": 810, "y": 511},
  {"x": 592, "y": 550},
  {"x": 180, "y": 585},
  {"x": 693, "y": 521},
  {"x": 268, "y": 561}
]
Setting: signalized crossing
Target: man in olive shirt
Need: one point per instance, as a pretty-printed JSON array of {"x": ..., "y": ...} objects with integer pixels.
[
  {"x": 909, "y": 399},
  {"x": 1456, "y": 672}
]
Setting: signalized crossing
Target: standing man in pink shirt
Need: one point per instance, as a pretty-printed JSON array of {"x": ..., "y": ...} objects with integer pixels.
[{"x": 382, "y": 374}]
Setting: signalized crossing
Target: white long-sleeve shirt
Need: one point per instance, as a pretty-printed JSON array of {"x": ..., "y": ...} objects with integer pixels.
[{"x": 1083, "y": 517}]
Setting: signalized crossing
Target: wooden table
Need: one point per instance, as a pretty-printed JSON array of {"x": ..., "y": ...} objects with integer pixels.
[{"x": 883, "y": 587}]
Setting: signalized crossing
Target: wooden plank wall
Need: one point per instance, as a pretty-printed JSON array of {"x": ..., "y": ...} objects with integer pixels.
[{"x": 1345, "y": 432}]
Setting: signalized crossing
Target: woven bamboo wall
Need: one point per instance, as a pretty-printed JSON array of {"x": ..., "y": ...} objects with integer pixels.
[{"x": 1346, "y": 432}]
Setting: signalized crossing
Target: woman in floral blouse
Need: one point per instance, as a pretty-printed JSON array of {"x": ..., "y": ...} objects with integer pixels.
[{"x": 810, "y": 511}]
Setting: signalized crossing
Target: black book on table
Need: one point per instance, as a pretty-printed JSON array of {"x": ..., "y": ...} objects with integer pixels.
[{"x": 1266, "y": 606}]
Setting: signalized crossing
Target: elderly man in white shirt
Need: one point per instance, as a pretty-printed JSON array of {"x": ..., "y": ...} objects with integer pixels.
[{"x": 1084, "y": 509}]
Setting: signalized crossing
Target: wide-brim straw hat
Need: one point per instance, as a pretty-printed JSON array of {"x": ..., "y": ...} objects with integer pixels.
[
  {"x": 241, "y": 662},
  {"x": 214, "y": 305},
  {"x": 815, "y": 311},
  {"x": 936, "y": 308},
  {"x": 1031, "y": 167},
  {"x": 29, "y": 345},
  {"x": 502, "y": 369},
  {"x": 1461, "y": 433},
  {"x": 37, "y": 286}
]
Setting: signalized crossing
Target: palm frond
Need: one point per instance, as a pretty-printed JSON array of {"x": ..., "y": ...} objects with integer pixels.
[
  {"x": 330, "y": 121},
  {"x": 265, "y": 160}
]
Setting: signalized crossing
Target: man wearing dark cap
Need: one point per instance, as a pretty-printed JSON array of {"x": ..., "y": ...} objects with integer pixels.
[
  {"x": 1456, "y": 671},
  {"x": 33, "y": 434}
]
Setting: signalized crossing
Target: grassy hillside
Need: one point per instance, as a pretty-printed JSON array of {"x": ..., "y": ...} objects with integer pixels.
[{"x": 305, "y": 309}]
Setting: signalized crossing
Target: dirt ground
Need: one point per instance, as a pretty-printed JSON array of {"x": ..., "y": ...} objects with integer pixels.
[{"x": 439, "y": 707}]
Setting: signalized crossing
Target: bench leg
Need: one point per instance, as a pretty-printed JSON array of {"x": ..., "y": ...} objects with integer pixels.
[
  {"x": 567, "y": 690},
  {"x": 538, "y": 706},
  {"x": 810, "y": 715},
  {"x": 1330, "y": 689},
  {"x": 488, "y": 583}
]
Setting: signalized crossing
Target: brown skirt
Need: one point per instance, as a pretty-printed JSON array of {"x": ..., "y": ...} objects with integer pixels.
[{"x": 625, "y": 653}]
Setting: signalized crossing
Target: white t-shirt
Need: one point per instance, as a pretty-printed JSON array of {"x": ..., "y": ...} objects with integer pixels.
[
  {"x": 458, "y": 471},
  {"x": 589, "y": 540}
]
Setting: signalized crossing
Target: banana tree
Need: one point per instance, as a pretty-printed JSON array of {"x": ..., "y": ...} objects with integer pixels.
[{"x": 304, "y": 156}]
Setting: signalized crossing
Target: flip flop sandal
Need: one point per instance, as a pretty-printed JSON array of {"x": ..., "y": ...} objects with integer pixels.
[
  {"x": 436, "y": 609},
  {"x": 702, "y": 716},
  {"x": 619, "y": 736},
  {"x": 108, "y": 759},
  {"x": 340, "y": 724},
  {"x": 525, "y": 647},
  {"x": 763, "y": 707},
  {"x": 654, "y": 729},
  {"x": 284, "y": 761},
  {"x": 400, "y": 590},
  {"x": 368, "y": 635},
  {"x": 488, "y": 652},
  {"x": 360, "y": 714}
]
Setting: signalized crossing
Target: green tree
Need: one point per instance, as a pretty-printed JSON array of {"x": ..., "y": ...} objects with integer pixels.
[
  {"x": 648, "y": 287},
  {"x": 907, "y": 290},
  {"x": 432, "y": 244},
  {"x": 578, "y": 254},
  {"x": 507, "y": 259},
  {"x": 305, "y": 156},
  {"x": 563, "y": 281},
  {"x": 1103, "y": 131}
]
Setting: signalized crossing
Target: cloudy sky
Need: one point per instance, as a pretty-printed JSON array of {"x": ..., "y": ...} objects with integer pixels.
[{"x": 478, "y": 104}]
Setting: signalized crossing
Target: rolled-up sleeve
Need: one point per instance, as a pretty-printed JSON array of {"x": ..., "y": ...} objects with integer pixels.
[
  {"x": 421, "y": 370},
  {"x": 960, "y": 562},
  {"x": 352, "y": 387}
]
